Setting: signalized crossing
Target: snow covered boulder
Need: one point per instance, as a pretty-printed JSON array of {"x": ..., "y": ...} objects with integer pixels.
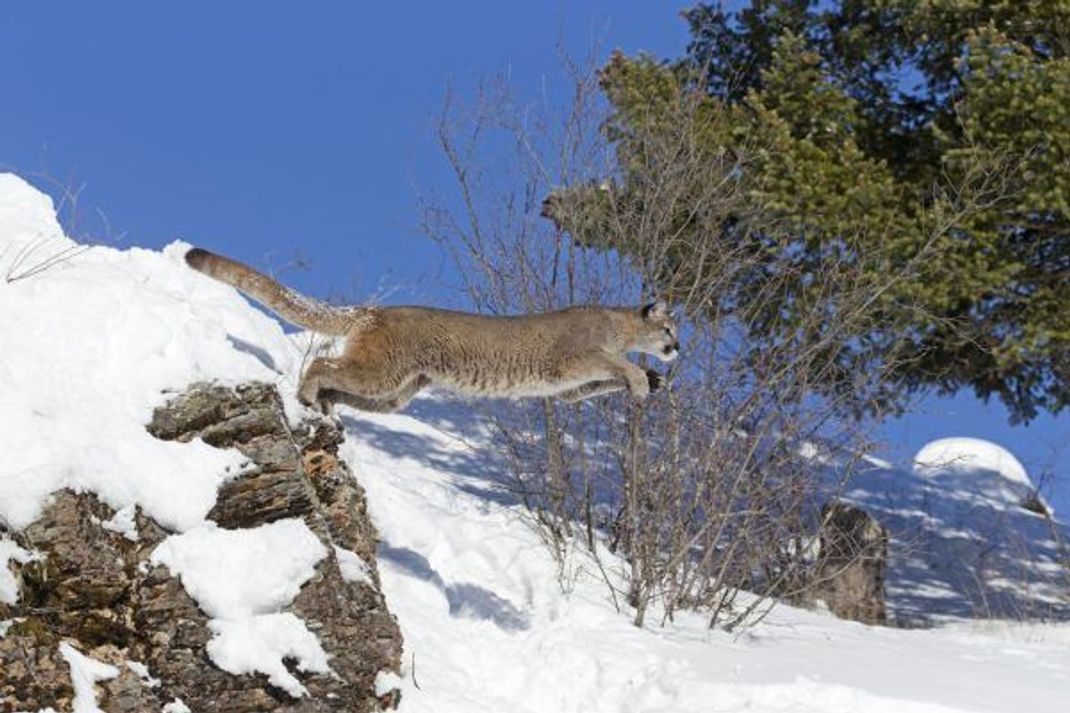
[
  {"x": 274, "y": 604},
  {"x": 982, "y": 467}
]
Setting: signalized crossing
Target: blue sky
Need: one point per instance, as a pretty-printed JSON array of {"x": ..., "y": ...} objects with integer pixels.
[{"x": 269, "y": 130}]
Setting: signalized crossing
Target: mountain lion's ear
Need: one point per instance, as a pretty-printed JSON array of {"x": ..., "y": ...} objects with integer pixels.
[{"x": 656, "y": 310}]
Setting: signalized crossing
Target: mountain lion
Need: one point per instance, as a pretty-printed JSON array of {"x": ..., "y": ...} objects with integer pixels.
[{"x": 390, "y": 353}]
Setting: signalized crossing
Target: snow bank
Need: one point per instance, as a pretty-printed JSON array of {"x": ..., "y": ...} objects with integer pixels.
[
  {"x": 27, "y": 218},
  {"x": 96, "y": 343}
]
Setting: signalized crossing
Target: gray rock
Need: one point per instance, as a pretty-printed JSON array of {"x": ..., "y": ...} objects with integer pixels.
[{"x": 852, "y": 564}]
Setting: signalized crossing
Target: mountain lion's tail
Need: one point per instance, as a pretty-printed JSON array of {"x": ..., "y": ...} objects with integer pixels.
[{"x": 293, "y": 307}]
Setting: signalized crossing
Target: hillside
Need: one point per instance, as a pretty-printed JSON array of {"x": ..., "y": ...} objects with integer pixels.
[{"x": 96, "y": 343}]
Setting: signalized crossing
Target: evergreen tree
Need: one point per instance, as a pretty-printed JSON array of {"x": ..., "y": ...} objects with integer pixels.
[{"x": 925, "y": 139}]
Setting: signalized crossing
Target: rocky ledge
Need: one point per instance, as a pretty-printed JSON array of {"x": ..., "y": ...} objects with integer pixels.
[{"x": 91, "y": 586}]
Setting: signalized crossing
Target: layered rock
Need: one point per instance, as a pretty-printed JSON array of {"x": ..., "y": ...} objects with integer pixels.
[{"x": 95, "y": 588}]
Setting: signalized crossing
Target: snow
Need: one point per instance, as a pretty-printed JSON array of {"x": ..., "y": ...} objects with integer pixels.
[
  {"x": 85, "y": 671},
  {"x": 123, "y": 522},
  {"x": 962, "y": 543},
  {"x": 237, "y": 573},
  {"x": 387, "y": 681},
  {"x": 969, "y": 454},
  {"x": 487, "y": 628},
  {"x": 9, "y": 592},
  {"x": 242, "y": 579},
  {"x": 490, "y": 622},
  {"x": 260, "y": 643},
  {"x": 353, "y": 568},
  {"x": 142, "y": 672},
  {"x": 176, "y": 706},
  {"x": 27, "y": 217},
  {"x": 102, "y": 339}
]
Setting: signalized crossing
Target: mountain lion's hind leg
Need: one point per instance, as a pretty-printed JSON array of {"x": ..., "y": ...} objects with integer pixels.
[
  {"x": 401, "y": 399},
  {"x": 309, "y": 388},
  {"x": 389, "y": 404},
  {"x": 350, "y": 382},
  {"x": 346, "y": 375}
]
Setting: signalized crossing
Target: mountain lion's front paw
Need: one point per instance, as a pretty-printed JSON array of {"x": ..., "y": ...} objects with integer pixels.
[{"x": 654, "y": 380}]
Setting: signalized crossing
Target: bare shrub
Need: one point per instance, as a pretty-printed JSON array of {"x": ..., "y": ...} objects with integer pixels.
[
  {"x": 714, "y": 485},
  {"x": 40, "y": 253}
]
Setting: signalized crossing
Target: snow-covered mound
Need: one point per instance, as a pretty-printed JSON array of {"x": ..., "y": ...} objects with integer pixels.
[
  {"x": 969, "y": 455},
  {"x": 91, "y": 345},
  {"x": 988, "y": 469},
  {"x": 95, "y": 343},
  {"x": 26, "y": 216}
]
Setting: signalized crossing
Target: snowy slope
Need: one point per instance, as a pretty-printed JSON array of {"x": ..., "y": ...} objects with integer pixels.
[
  {"x": 962, "y": 544},
  {"x": 487, "y": 628},
  {"x": 93, "y": 344}
]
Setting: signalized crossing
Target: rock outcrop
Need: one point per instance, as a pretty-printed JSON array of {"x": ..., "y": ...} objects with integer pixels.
[
  {"x": 95, "y": 588},
  {"x": 852, "y": 564}
]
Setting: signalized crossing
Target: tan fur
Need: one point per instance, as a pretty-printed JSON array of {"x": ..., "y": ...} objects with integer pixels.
[{"x": 390, "y": 353}]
